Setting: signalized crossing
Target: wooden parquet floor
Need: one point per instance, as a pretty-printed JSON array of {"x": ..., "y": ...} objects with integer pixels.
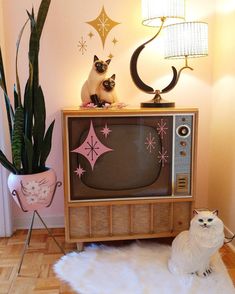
[{"x": 37, "y": 274}]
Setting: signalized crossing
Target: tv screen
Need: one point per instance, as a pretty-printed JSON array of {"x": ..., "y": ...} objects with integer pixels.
[{"x": 113, "y": 157}]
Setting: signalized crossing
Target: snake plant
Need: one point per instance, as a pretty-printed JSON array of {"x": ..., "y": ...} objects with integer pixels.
[{"x": 30, "y": 140}]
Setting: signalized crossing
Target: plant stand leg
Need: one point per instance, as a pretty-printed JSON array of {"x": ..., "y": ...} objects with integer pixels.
[
  {"x": 80, "y": 246},
  {"x": 31, "y": 228},
  {"x": 49, "y": 232},
  {"x": 27, "y": 241}
]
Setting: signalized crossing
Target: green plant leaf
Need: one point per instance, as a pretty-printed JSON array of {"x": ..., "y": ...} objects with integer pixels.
[
  {"x": 33, "y": 63},
  {"x": 16, "y": 63},
  {"x": 33, "y": 44},
  {"x": 28, "y": 110},
  {"x": 10, "y": 113},
  {"x": 16, "y": 98},
  {"x": 7, "y": 164},
  {"x": 28, "y": 155},
  {"x": 31, "y": 17},
  {"x": 39, "y": 124},
  {"x": 46, "y": 148},
  {"x": 42, "y": 14},
  {"x": 17, "y": 137}
]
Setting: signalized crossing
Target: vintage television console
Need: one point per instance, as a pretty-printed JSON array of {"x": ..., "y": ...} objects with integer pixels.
[{"x": 128, "y": 173}]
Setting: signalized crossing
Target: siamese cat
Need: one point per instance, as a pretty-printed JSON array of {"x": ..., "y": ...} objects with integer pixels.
[
  {"x": 89, "y": 92},
  {"x": 106, "y": 91},
  {"x": 192, "y": 250}
]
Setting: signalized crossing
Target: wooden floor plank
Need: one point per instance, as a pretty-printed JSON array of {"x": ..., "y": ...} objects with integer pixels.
[{"x": 37, "y": 275}]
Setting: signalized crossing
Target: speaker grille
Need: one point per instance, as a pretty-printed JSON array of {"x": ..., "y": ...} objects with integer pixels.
[{"x": 182, "y": 184}]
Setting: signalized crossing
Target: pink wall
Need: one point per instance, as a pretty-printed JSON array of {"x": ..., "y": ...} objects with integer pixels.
[{"x": 63, "y": 68}]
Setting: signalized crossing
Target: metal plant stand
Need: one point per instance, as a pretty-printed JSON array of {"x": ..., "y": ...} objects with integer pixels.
[{"x": 27, "y": 241}]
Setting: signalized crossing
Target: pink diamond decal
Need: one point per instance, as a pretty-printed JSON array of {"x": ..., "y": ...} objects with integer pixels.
[{"x": 92, "y": 148}]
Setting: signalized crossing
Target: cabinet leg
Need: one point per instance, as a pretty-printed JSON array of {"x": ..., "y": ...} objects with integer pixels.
[{"x": 80, "y": 246}]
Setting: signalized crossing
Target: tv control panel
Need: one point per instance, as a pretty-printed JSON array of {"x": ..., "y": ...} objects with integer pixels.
[{"x": 182, "y": 171}]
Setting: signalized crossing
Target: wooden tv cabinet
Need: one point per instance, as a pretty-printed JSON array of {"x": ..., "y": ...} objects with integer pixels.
[{"x": 128, "y": 218}]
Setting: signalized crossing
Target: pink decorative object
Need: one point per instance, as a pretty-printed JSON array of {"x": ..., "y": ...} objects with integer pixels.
[
  {"x": 162, "y": 128},
  {"x": 34, "y": 191},
  {"x": 106, "y": 131},
  {"x": 92, "y": 148},
  {"x": 120, "y": 105},
  {"x": 150, "y": 142},
  {"x": 163, "y": 156},
  {"x": 88, "y": 105},
  {"x": 79, "y": 171}
]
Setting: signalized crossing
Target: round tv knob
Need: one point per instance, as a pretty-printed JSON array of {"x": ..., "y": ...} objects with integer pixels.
[
  {"x": 183, "y": 143},
  {"x": 183, "y": 131}
]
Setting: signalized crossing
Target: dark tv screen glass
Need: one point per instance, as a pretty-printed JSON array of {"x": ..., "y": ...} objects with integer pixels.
[{"x": 119, "y": 156}]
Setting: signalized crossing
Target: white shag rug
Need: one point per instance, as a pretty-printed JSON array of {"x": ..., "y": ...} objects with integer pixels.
[{"x": 139, "y": 268}]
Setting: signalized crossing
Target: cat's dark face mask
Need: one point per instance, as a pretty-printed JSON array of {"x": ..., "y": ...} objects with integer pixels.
[
  {"x": 101, "y": 67},
  {"x": 108, "y": 85}
]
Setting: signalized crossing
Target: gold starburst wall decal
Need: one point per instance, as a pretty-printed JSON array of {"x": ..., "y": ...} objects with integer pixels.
[
  {"x": 114, "y": 41},
  {"x": 103, "y": 24},
  {"x": 82, "y": 45},
  {"x": 90, "y": 35}
]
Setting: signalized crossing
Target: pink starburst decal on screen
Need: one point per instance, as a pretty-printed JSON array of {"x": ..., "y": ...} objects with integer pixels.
[
  {"x": 150, "y": 142},
  {"x": 92, "y": 148},
  {"x": 162, "y": 128},
  {"x": 106, "y": 131},
  {"x": 162, "y": 156},
  {"x": 79, "y": 171}
]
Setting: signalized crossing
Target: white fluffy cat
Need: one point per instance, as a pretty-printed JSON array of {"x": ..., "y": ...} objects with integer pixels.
[
  {"x": 89, "y": 92},
  {"x": 192, "y": 250}
]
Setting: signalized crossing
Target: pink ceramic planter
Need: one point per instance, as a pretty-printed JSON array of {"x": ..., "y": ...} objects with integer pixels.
[{"x": 34, "y": 191}]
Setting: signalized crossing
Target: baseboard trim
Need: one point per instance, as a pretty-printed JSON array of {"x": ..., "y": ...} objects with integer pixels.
[
  {"x": 56, "y": 221},
  {"x": 229, "y": 233}
]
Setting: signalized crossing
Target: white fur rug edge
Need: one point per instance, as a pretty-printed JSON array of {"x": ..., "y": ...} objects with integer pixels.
[{"x": 139, "y": 268}]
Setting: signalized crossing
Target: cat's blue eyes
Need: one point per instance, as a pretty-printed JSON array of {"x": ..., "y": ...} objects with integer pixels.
[{"x": 209, "y": 220}]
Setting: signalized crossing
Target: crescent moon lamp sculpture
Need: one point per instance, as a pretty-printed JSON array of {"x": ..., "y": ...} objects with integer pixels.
[{"x": 183, "y": 40}]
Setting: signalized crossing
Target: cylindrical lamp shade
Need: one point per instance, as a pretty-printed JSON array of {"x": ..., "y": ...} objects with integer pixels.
[
  {"x": 154, "y": 10},
  {"x": 187, "y": 39}
]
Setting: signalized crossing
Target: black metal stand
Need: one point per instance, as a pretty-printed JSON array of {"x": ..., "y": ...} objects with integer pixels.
[
  {"x": 157, "y": 103},
  {"x": 27, "y": 241}
]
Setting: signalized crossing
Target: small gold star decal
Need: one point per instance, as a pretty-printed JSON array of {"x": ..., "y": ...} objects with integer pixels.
[
  {"x": 90, "y": 35},
  {"x": 114, "y": 41},
  {"x": 82, "y": 46},
  {"x": 110, "y": 56},
  {"x": 103, "y": 24}
]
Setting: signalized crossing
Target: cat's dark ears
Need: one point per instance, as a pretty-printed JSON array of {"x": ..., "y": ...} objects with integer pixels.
[
  {"x": 95, "y": 58},
  {"x": 113, "y": 76}
]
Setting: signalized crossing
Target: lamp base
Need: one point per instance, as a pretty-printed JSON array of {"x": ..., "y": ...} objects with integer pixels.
[{"x": 157, "y": 103}]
